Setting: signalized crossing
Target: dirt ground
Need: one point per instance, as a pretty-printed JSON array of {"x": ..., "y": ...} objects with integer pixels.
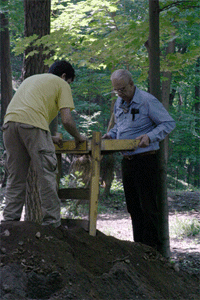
[{"x": 40, "y": 262}]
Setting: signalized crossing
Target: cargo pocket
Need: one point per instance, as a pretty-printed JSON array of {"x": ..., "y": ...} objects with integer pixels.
[
  {"x": 26, "y": 126},
  {"x": 5, "y": 126},
  {"x": 49, "y": 161}
]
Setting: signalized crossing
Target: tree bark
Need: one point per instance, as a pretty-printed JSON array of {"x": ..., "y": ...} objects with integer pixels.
[
  {"x": 108, "y": 161},
  {"x": 154, "y": 81},
  {"x": 167, "y": 78},
  {"x": 37, "y": 21},
  {"x": 166, "y": 93},
  {"x": 154, "y": 49},
  {"x": 6, "y": 71},
  {"x": 197, "y": 128}
]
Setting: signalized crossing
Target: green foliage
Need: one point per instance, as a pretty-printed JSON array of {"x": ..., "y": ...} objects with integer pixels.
[
  {"x": 72, "y": 210},
  {"x": 116, "y": 199},
  {"x": 22, "y": 44},
  {"x": 181, "y": 24},
  {"x": 117, "y": 185},
  {"x": 185, "y": 140},
  {"x": 72, "y": 181},
  {"x": 184, "y": 227},
  {"x": 88, "y": 123},
  {"x": 100, "y": 36},
  {"x": 14, "y": 10},
  {"x": 174, "y": 183},
  {"x": 105, "y": 34},
  {"x": 91, "y": 94},
  {"x": 96, "y": 33}
]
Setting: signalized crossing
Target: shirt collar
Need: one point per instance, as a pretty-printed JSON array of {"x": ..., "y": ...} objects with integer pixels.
[{"x": 135, "y": 98}]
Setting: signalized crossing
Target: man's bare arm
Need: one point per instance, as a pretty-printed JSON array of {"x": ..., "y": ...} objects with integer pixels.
[{"x": 70, "y": 125}]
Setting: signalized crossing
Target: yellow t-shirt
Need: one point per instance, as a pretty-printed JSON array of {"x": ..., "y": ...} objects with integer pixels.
[{"x": 38, "y": 100}]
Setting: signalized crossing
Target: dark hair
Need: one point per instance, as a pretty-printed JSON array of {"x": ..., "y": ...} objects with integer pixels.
[{"x": 60, "y": 67}]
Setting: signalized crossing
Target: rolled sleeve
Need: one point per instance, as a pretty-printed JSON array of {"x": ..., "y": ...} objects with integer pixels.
[
  {"x": 161, "y": 131},
  {"x": 113, "y": 132},
  {"x": 162, "y": 119}
]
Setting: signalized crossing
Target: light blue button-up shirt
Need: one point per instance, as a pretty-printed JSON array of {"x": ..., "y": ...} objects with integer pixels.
[{"x": 144, "y": 115}]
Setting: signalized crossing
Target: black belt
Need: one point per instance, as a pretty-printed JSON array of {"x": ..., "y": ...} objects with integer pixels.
[{"x": 130, "y": 157}]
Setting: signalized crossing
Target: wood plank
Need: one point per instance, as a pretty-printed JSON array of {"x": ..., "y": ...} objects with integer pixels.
[
  {"x": 70, "y": 147},
  {"x": 106, "y": 146},
  {"x": 94, "y": 183},
  {"x": 118, "y": 145},
  {"x": 74, "y": 193}
]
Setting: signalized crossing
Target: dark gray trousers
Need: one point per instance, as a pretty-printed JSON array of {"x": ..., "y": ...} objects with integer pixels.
[
  {"x": 140, "y": 176},
  {"x": 25, "y": 143}
]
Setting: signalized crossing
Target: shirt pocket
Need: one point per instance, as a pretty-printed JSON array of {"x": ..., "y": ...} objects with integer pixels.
[
  {"x": 133, "y": 121},
  {"x": 49, "y": 161}
]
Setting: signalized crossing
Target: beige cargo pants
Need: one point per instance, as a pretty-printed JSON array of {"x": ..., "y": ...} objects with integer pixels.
[{"x": 25, "y": 143}]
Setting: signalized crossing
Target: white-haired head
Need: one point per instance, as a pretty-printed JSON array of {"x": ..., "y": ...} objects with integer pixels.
[
  {"x": 123, "y": 84},
  {"x": 121, "y": 73}
]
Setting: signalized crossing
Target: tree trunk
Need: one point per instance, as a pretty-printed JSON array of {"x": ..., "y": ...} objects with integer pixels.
[
  {"x": 6, "y": 72},
  {"x": 197, "y": 128},
  {"x": 154, "y": 49},
  {"x": 37, "y": 21},
  {"x": 166, "y": 94},
  {"x": 154, "y": 81},
  {"x": 167, "y": 78},
  {"x": 108, "y": 161},
  {"x": 107, "y": 173}
]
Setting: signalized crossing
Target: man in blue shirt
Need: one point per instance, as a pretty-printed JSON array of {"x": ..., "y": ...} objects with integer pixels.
[{"x": 139, "y": 115}]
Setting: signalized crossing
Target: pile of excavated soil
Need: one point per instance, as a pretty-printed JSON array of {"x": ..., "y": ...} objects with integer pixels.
[{"x": 41, "y": 262}]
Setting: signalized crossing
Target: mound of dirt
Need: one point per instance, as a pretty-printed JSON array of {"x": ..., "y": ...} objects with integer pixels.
[{"x": 41, "y": 262}]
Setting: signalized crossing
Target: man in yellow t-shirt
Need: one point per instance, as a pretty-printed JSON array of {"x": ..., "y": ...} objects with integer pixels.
[{"x": 27, "y": 138}]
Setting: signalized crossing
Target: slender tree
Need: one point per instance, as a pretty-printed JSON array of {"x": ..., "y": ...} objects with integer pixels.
[
  {"x": 154, "y": 81},
  {"x": 37, "y": 21},
  {"x": 165, "y": 92},
  {"x": 108, "y": 162},
  {"x": 6, "y": 71},
  {"x": 197, "y": 128}
]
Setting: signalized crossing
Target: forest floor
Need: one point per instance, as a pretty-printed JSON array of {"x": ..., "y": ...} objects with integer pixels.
[{"x": 40, "y": 262}]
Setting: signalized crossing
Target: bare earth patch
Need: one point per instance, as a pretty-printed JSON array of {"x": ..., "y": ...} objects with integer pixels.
[
  {"x": 183, "y": 206},
  {"x": 40, "y": 262}
]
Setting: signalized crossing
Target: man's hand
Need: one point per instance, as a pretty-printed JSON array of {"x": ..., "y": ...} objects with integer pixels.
[
  {"x": 80, "y": 140},
  {"x": 57, "y": 139},
  {"x": 106, "y": 136},
  {"x": 144, "y": 141}
]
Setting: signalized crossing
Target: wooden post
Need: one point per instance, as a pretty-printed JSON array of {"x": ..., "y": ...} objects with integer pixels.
[
  {"x": 95, "y": 147},
  {"x": 94, "y": 191}
]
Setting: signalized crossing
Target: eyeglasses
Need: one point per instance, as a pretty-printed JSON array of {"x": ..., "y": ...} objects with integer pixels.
[{"x": 120, "y": 90}]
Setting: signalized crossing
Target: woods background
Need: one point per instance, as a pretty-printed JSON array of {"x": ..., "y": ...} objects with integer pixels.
[{"x": 98, "y": 37}]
